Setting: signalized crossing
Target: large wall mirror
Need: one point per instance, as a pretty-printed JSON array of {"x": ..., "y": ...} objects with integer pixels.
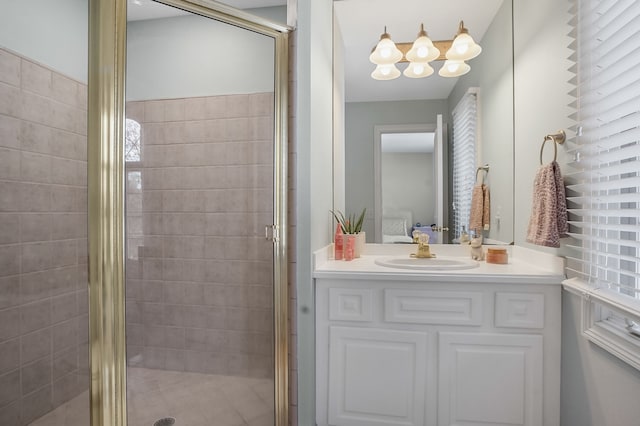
[{"x": 423, "y": 186}]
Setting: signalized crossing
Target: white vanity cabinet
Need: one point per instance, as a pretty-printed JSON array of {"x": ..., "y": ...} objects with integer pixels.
[{"x": 426, "y": 352}]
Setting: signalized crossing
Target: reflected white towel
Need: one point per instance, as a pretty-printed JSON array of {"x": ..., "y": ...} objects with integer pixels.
[{"x": 548, "y": 222}]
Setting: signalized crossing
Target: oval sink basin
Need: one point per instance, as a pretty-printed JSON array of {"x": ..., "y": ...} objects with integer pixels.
[{"x": 425, "y": 264}]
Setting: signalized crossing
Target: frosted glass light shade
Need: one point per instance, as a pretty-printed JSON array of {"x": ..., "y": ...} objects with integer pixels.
[
  {"x": 385, "y": 72},
  {"x": 386, "y": 51},
  {"x": 418, "y": 70},
  {"x": 463, "y": 47},
  {"x": 453, "y": 68},
  {"x": 422, "y": 49}
]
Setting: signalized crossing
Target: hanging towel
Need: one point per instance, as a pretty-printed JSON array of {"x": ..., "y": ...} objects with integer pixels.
[
  {"x": 480, "y": 208},
  {"x": 548, "y": 222}
]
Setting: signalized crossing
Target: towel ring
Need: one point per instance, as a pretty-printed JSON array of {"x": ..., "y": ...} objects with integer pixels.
[
  {"x": 557, "y": 139},
  {"x": 484, "y": 168}
]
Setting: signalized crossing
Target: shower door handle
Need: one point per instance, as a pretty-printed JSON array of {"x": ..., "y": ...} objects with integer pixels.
[{"x": 271, "y": 233}]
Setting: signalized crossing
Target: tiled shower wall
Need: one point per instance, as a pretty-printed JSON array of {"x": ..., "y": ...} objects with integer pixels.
[
  {"x": 43, "y": 246},
  {"x": 199, "y": 286}
]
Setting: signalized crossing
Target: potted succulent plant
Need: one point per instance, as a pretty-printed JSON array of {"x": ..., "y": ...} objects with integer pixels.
[{"x": 352, "y": 224}]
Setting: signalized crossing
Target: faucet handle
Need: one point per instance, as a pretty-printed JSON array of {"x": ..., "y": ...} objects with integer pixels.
[{"x": 423, "y": 238}]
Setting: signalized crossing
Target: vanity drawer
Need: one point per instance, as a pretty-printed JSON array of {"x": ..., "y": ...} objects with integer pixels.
[
  {"x": 519, "y": 310},
  {"x": 350, "y": 304},
  {"x": 433, "y": 307}
]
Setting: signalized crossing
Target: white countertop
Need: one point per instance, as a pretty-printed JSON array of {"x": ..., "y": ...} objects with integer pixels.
[{"x": 525, "y": 266}]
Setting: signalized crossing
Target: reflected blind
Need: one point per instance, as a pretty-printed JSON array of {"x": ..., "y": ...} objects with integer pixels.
[
  {"x": 465, "y": 119},
  {"x": 603, "y": 188}
]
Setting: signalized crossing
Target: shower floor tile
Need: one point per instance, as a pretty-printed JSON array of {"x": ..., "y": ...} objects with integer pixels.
[{"x": 193, "y": 399}]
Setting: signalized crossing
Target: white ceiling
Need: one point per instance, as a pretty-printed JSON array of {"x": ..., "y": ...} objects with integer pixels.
[
  {"x": 148, "y": 9},
  {"x": 407, "y": 142},
  {"x": 362, "y": 21}
]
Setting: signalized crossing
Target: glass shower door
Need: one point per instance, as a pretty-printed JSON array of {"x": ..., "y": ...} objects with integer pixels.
[{"x": 199, "y": 193}]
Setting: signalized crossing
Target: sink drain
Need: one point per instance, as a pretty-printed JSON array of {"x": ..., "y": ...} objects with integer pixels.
[{"x": 167, "y": 421}]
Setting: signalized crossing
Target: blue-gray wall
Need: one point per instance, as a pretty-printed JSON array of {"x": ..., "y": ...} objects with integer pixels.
[{"x": 312, "y": 165}]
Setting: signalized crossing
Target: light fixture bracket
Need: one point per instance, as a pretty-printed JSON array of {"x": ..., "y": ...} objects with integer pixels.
[
  {"x": 461, "y": 29},
  {"x": 442, "y": 45}
]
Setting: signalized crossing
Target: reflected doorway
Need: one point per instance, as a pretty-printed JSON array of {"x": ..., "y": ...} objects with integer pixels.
[{"x": 409, "y": 188}]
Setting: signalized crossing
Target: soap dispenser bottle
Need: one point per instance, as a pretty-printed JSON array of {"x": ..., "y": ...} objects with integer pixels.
[
  {"x": 338, "y": 243},
  {"x": 464, "y": 237}
]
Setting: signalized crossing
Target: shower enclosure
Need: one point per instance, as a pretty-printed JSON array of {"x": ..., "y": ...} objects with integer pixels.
[
  {"x": 199, "y": 192},
  {"x": 182, "y": 316}
]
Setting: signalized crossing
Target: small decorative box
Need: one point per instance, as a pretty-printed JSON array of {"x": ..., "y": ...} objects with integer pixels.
[{"x": 497, "y": 255}]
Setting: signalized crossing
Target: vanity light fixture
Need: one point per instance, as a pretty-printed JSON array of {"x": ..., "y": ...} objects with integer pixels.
[
  {"x": 422, "y": 51},
  {"x": 418, "y": 70},
  {"x": 386, "y": 72},
  {"x": 463, "y": 47},
  {"x": 385, "y": 52},
  {"x": 454, "y": 68}
]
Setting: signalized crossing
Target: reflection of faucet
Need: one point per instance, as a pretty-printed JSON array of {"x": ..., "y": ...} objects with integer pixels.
[
  {"x": 423, "y": 247},
  {"x": 435, "y": 228}
]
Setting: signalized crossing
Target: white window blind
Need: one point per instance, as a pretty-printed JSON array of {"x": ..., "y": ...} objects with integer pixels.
[
  {"x": 603, "y": 196},
  {"x": 465, "y": 119}
]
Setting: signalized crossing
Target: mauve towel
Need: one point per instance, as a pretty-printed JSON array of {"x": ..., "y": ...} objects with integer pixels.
[
  {"x": 548, "y": 222},
  {"x": 480, "y": 208}
]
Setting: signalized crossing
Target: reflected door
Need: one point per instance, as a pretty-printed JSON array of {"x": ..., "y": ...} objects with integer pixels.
[{"x": 409, "y": 188}]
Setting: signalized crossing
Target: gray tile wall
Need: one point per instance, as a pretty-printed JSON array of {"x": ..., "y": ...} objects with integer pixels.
[
  {"x": 43, "y": 245},
  {"x": 199, "y": 271}
]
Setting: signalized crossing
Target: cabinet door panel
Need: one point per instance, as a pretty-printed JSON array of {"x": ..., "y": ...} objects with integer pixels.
[
  {"x": 433, "y": 306},
  {"x": 489, "y": 379},
  {"x": 376, "y": 377}
]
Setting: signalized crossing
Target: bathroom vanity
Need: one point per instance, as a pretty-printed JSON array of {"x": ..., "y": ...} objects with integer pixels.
[{"x": 474, "y": 345}]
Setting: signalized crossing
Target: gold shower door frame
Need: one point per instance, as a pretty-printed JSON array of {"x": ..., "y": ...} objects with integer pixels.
[{"x": 105, "y": 157}]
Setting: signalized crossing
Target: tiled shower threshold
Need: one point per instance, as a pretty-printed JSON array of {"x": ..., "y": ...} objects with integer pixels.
[{"x": 193, "y": 399}]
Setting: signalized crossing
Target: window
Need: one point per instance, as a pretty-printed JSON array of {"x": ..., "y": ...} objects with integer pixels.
[
  {"x": 132, "y": 141},
  {"x": 602, "y": 190},
  {"x": 132, "y": 157},
  {"x": 465, "y": 119}
]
